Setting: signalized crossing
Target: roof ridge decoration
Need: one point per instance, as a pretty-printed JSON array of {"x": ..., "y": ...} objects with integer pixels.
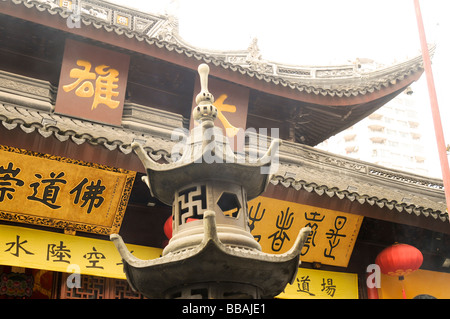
[{"x": 162, "y": 31}]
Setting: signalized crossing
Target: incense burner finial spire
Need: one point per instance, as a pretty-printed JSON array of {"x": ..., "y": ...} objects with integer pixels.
[{"x": 205, "y": 110}]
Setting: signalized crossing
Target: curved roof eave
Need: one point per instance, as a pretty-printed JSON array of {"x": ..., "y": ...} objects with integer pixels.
[{"x": 325, "y": 83}]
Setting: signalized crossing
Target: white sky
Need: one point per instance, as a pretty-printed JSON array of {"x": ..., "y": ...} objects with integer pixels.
[{"x": 320, "y": 32}]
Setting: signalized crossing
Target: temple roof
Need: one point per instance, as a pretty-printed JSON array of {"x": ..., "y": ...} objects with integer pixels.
[
  {"x": 319, "y": 101},
  {"x": 312, "y": 102},
  {"x": 162, "y": 31},
  {"x": 338, "y": 80}
]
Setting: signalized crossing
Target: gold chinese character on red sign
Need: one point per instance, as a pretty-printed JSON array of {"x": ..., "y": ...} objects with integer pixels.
[
  {"x": 103, "y": 89},
  {"x": 92, "y": 83},
  {"x": 230, "y": 130}
]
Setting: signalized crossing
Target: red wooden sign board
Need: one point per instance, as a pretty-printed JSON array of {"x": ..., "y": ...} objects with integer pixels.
[{"x": 92, "y": 83}]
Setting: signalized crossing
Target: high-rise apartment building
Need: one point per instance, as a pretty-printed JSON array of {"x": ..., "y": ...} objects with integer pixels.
[{"x": 391, "y": 137}]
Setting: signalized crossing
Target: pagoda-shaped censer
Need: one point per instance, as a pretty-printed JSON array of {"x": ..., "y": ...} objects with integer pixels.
[{"x": 212, "y": 253}]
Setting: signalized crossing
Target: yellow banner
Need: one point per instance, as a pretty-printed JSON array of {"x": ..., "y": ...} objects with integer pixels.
[
  {"x": 320, "y": 284},
  {"x": 59, "y": 192},
  {"x": 275, "y": 224},
  {"x": 24, "y": 247},
  {"x": 419, "y": 282}
]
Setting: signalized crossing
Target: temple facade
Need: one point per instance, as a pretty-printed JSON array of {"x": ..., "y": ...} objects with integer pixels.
[{"x": 79, "y": 85}]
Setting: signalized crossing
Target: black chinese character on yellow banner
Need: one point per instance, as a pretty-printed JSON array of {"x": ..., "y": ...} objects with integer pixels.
[
  {"x": 312, "y": 218},
  {"x": 50, "y": 189},
  {"x": 284, "y": 222},
  {"x": 18, "y": 245},
  {"x": 58, "y": 253},
  {"x": 8, "y": 181},
  {"x": 254, "y": 217},
  {"x": 328, "y": 287},
  {"x": 334, "y": 236},
  {"x": 91, "y": 194},
  {"x": 303, "y": 285},
  {"x": 101, "y": 84},
  {"x": 94, "y": 258}
]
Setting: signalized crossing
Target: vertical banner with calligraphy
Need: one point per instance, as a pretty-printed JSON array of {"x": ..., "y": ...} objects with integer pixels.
[
  {"x": 276, "y": 223},
  {"x": 231, "y": 101},
  {"x": 92, "y": 83}
]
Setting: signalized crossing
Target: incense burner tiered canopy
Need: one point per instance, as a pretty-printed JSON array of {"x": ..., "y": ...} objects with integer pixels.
[{"x": 212, "y": 253}]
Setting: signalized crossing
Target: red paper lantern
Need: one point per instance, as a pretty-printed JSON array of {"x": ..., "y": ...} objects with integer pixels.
[
  {"x": 168, "y": 226},
  {"x": 399, "y": 260}
]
